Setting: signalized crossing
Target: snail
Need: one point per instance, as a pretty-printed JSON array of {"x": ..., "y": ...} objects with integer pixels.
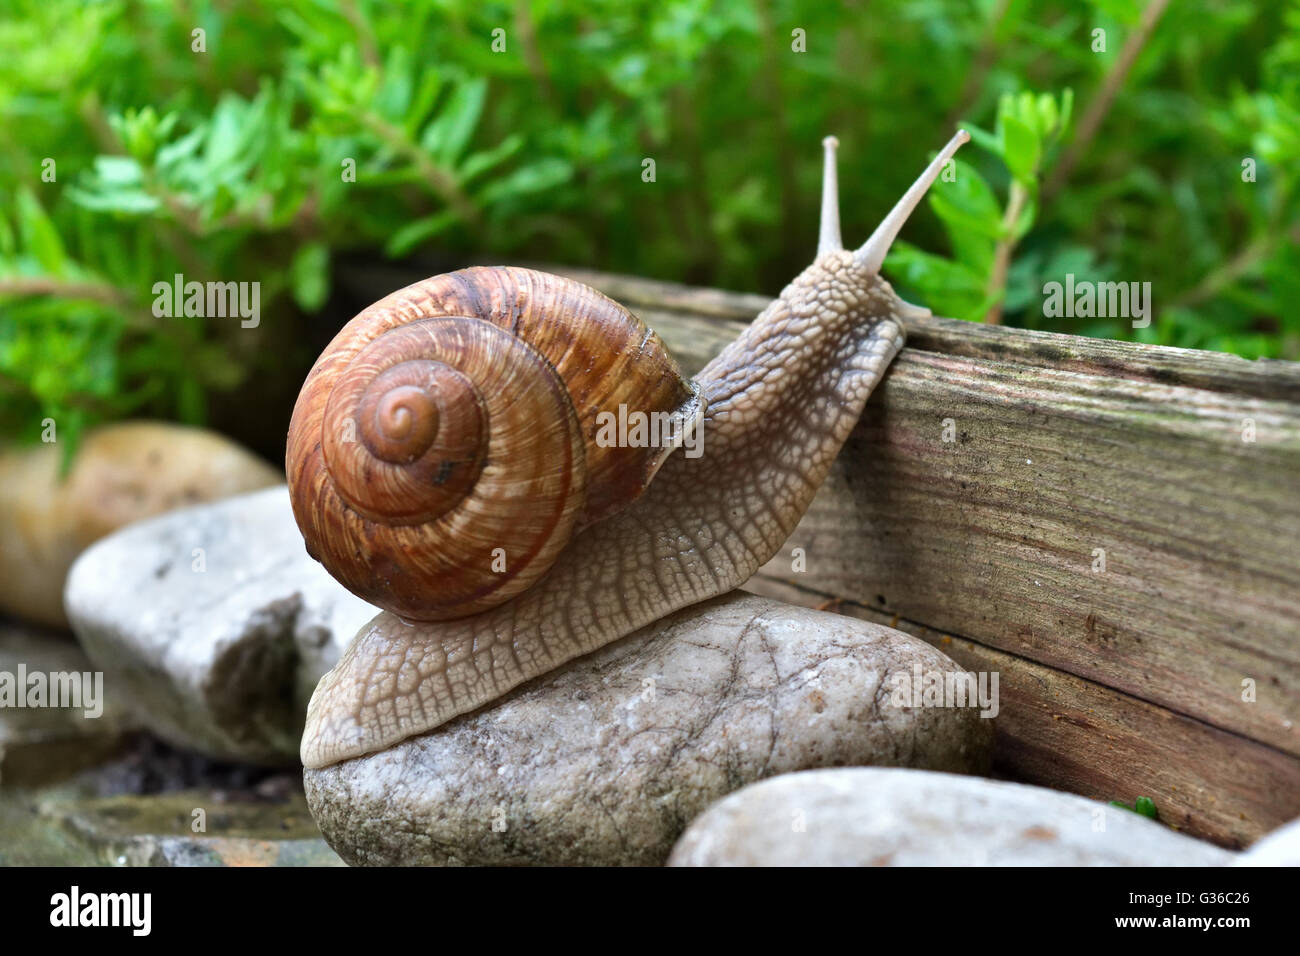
[{"x": 444, "y": 463}]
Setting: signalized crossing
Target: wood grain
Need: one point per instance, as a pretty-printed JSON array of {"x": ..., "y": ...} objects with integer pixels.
[
  {"x": 1057, "y": 730},
  {"x": 998, "y": 535}
]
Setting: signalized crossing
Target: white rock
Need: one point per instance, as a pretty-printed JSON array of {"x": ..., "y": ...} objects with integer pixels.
[
  {"x": 215, "y": 622},
  {"x": 889, "y": 817},
  {"x": 1279, "y": 848},
  {"x": 606, "y": 760}
]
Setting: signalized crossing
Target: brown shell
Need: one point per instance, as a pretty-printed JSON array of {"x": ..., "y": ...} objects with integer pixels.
[{"x": 453, "y": 425}]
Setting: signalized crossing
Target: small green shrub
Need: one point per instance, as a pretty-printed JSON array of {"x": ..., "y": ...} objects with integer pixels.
[{"x": 127, "y": 155}]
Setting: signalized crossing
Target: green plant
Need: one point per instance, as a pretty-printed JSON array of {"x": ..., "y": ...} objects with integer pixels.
[
  {"x": 1143, "y": 806},
  {"x": 307, "y": 132},
  {"x": 983, "y": 233}
]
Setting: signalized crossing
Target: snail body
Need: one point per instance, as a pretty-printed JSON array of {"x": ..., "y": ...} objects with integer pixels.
[{"x": 648, "y": 532}]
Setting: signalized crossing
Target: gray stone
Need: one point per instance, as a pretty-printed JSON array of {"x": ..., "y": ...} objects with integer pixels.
[
  {"x": 890, "y": 817},
  {"x": 1279, "y": 848},
  {"x": 159, "y": 830},
  {"x": 39, "y": 744},
  {"x": 136, "y": 808},
  {"x": 607, "y": 759},
  {"x": 214, "y": 623},
  {"x": 230, "y": 851}
]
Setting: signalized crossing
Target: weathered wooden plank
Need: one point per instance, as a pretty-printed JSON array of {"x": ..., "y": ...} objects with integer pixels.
[
  {"x": 1061, "y": 731},
  {"x": 1000, "y": 534},
  {"x": 994, "y": 535},
  {"x": 1215, "y": 371}
]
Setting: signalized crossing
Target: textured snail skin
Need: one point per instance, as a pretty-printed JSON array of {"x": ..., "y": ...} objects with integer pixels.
[{"x": 780, "y": 402}]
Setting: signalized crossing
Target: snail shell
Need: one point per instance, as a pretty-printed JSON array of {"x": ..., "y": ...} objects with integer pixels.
[{"x": 444, "y": 449}]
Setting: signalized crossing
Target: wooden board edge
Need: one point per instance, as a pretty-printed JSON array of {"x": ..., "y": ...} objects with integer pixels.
[{"x": 1068, "y": 733}]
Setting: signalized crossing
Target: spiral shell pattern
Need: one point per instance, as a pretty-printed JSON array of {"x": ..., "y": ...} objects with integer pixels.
[{"x": 442, "y": 451}]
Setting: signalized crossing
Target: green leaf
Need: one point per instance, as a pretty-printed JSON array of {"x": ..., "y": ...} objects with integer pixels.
[
  {"x": 973, "y": 250},
  {"x": 118, "y": 171},
  {"x": 131, "y": 202},
  {"x": 948, "y": 288},
  {"x": 533, "y": 178},
  {"x": 309, "y": 277},
  {"x": 1047, "y": 115},
  {"x": 393, "y": 97},
  {"x": 446, "y": 137},
  {"x": 478, "y": 163},
  {"x": 930, "y": 272},
  {"x": 1022, "y": 149},
  {"x": 983, "y": 138},
  {"x": 967, "y": 202},
  {"x": 39, "y": 237},
  {"x": 422, "y": 101},
  {"x": 413, "y": 233},
  {"x": 175, "y": 152},
  {"x": 8, "y": 241},
  {"x": 1067, "y": 110},
  {"x": 1143, "y": 806}
]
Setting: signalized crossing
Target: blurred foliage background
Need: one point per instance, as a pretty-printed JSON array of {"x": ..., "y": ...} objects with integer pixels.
[{"x": 223, "y": 155}]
